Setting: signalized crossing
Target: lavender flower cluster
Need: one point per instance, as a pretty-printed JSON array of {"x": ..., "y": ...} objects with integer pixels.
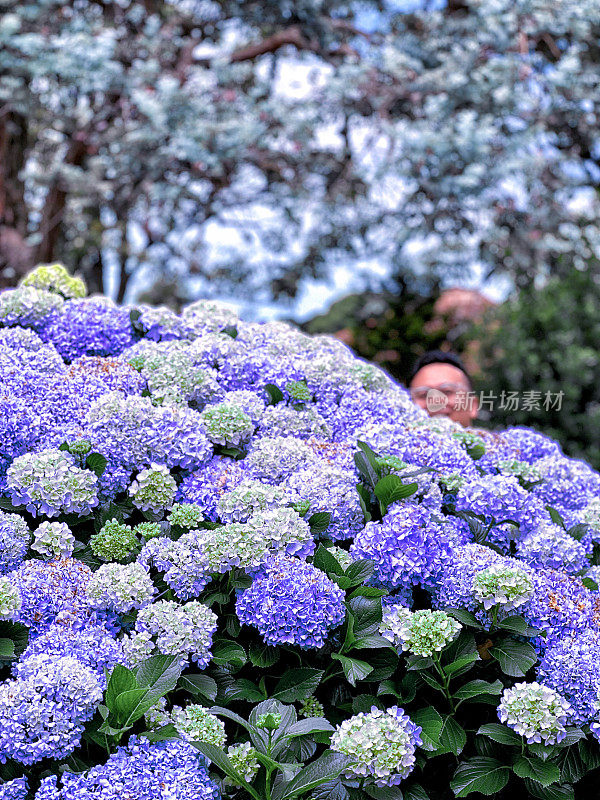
[{"x": 148, "y": 460}]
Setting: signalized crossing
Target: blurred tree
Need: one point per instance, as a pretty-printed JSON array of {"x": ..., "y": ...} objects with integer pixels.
[
  {"x": 261, "y": 143},
  {"x": 391, "y": 330},
  {"x": 547, "y": 340}
]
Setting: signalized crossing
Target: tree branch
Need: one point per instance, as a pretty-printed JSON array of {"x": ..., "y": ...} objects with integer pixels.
[
  {"x": 292, "y": 35},
  {"x": 56, "y": 199}
]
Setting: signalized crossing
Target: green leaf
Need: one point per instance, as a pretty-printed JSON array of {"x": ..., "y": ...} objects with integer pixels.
[
  {"x": 431, "y": 722},
  {"x": 354, "y": 670},
  {"x": 464, "y": 617},
  {"x": 324, "y": 560},
  {"x": 96, "y": 462},
  {"x": 121, "y": 680},
  {"x": 326, "y": 768},
  {"x": 452, "y": 736},
  {"x": 558, "y": 792},
  {"x": 368, "y": 591},
  {"x": 244, "y": 689},
  {"x": 572, "y": 736},
  {"x": 518, "y": 625},
  {"x": 501, "y": 734},
  {"x": 7, "y": 649},
  {"x": 590, "y": 584},
  {"x": 297, "y": 684},
  {"x": 360, "y": 571},
  {"x": 515, "y": 658},
  {"x": 532, "y": 767},
  {"x": 162, "y": 734},
  {"x": 391, "y": 488},
  {"x": 479, "y": 774},
  {"x": 220, "y": 759},
  {"x": 419, "y": 662},
  {"x": 384, "y": 792},
  {"x": 330, "y": 790},
  {"x": 319, "y": 522},
  {"x": 264, "y": 655},
  {"x": 477, "y": 688},
  {"x": 199, "y": 684},
  {"x": 305, "y": 727},
  {"x": 155, "y": 677},
  {"x": 275, "y": 394},
  {"x": 367, "y": 615},
  {"x": 556, "y": 517},
  {"x": 461, "y": 664},
  {"x": 229, "y": 654},
  {"x": 373, "y": 641}
]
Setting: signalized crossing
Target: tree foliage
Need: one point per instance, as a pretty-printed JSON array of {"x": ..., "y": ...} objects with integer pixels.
[
  {"x": 548, "y": 340},
  {"x": 171, "y": 136}
]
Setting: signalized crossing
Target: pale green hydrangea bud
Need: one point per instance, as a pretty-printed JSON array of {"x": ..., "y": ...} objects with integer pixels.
[
  {"x": 381, "y": 745},
  {"x": 312, "y": 708},
  {"x": 520, "y": 469},
  {"x": 227, "y": 424},
  {"x": 148, "y": 530},
  {"x": 500, "y": 585},
  {"x": 299, "y": 391},
  {"x": 28, "y": 306},
  {"x": 53, "y": 539},
  {"x": 422, "y": 632},
  {"x": 55, "y": 278},
  {"x": 194, "y": 723},
  {"x": 535, "y": 711},
  {"x": 10, "y": 599},
  {"x": 269, "y": 721},
  {"x": 154, "y": 489},
  {"x": 113, "y": 542},
  {"x": 186, "y": 515},
  {"x": 244, "y": 760}
]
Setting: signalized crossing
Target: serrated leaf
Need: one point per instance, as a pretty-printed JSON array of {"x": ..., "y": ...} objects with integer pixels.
[
  {"x": 96, "y": 462},
  {"x": 532, "y": 767},
  {"x": 501, "y": 733},
  {"x": 464, "y": 617},
  {"x": 324, "y": 560},
  {"x": 430, "y": 721},
  {"x": 452, "y": 737},
  {"x": 354, "y": 669},
  {"x": 515, "y": 658},
  {"x": 263, "y": 656},
  {"x": 555, "y": 792},
  {"x": 391, "y": 489},
  {"x": 319, "y": 522},
  {"x": 305, "y": 727},
  {"x": 297, "y": 685},
  {"x": 518, "y": 625},
  {"x": 479, "y": 774},
  {"x": 326, "y": 768},
  {"x": 360, "y": 571},
  {"x": 199, "y": 684},
  {"x": 228, "y": 653},
  {"x": 477, "y": 688}
]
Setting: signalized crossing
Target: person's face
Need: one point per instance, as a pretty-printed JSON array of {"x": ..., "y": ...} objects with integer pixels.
[{"x": 442, "y": 389}]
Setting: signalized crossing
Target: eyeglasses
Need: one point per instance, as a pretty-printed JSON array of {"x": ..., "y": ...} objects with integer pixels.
[{"x": 449, "y": 389}]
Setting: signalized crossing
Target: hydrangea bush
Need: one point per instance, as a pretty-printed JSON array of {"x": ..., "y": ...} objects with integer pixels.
[{"x": 236, "y": 562}]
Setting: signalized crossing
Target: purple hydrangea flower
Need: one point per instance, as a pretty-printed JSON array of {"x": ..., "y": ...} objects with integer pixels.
[{"x": 292, "y": 602}]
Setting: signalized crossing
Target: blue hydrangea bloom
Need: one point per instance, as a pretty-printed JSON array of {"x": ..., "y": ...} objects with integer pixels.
[{"x": 292, "y": 602}]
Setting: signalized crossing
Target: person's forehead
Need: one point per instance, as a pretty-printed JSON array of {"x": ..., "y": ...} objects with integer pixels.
[{"x": 436, "y": 374}]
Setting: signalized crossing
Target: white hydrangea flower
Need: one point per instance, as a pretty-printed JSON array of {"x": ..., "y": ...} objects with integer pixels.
[
  {"x": 422, "y": 632},
  {"x": 53, "y": 539},
  {"x": 501, "y": 585},
  {"x": 154, "y": 489},
  {"x": 10, "y": 599},
  {"x": 120, "y": 587},
  {"x": 535, "y": 711},
  {"x": 381, "y": 745}
]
